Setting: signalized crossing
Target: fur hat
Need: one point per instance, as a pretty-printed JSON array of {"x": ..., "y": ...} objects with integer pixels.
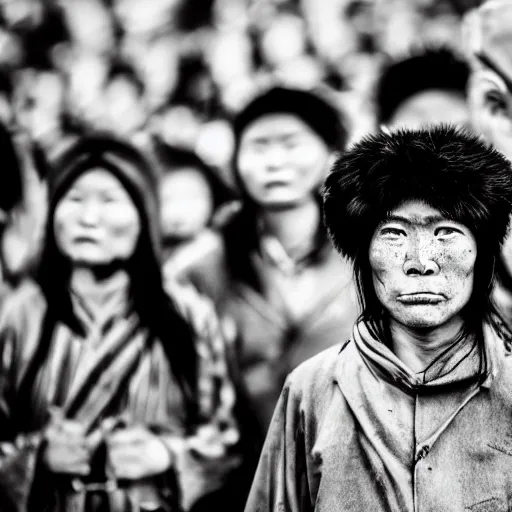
[
  {"x": 447, "y": 168},
  {"x": 318, "y": 113}
]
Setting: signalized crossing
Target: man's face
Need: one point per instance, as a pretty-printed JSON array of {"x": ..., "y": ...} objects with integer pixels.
[
  {"x": 422, "y": 266},
  {"x": 431, "y": 107},
  {"x": 491, "y": 109},
  {"x": 281, "y": 160}
]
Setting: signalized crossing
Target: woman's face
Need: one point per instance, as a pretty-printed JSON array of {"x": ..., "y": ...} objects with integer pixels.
[
  {"x": 96, "y": 222},
  {"x": 422, "y": 265}
]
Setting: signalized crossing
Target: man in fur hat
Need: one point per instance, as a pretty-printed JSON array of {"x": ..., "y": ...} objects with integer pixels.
[{"x": 413, "y": 411}]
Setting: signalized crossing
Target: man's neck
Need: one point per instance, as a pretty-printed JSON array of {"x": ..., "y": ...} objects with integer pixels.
[
  {"x": 418, "y": 348},
  {"x": 295, "y": 228}
]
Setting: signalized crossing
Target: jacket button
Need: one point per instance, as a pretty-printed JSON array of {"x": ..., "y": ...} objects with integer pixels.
[{"x": 423, "y": 452}]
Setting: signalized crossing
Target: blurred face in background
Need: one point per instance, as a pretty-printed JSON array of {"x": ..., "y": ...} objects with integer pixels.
[
  {"x": 281, "y": 161},
  {"x": 22, "y": 13},
  {"x": 41, "y": 102},
  {"x": 186, "y": 203},
  {"x": 490, "y": 104},
  {"x": 87, "y": 75},
  {"x": 96, "y": 222},
  {"x": 125, "y": 109},
  {"x": 90, "y": 24},
  {"x": 431, "y": 107}
]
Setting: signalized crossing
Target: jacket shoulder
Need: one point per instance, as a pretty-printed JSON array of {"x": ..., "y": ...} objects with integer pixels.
[{"x": 314, "y": 376}]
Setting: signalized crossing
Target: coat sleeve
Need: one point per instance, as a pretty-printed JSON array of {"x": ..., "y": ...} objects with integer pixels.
[
  {"x": 19, "y": 451},
  {"x": 205, "y": 459},
  {"x": 280, "y": 483}
]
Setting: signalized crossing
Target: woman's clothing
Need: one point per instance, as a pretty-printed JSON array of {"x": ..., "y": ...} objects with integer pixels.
[
  {"x": 356, "y": 430},
  {"x": 109, "y": 368}
]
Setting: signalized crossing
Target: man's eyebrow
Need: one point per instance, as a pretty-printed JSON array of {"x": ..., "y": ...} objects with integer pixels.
[
  {"x": 426, "y": 221},
  {"x": 262, "y": 139},
  {"x": 488, "y": 62}
]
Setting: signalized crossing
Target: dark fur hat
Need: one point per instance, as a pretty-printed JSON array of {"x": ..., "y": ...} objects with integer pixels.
[{"x": 447, "y": 168}]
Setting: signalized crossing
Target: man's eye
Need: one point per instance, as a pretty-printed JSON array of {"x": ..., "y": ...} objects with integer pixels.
[
  {"x": 392, "y": 232},
  {"x": 445, "y": 231},
  {"x": 496, "y": 102}
]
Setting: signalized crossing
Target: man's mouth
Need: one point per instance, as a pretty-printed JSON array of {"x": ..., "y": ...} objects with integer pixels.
[{"x": 421, "y": 298}]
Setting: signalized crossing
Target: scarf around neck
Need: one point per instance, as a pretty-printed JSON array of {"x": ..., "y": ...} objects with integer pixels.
[{"x": 468, "y": 359}]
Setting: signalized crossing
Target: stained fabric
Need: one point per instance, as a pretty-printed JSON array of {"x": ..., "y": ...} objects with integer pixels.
[
  {"x": 110, "y": 370},
  {"x": 349, "y": 435}
]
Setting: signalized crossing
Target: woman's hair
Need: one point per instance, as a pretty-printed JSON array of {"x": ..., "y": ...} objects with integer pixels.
[
  {"x": 155, "y": 309},
  {"x": 446, "y": 168}
]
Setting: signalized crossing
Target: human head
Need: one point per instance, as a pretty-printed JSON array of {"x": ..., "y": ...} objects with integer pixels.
[
  {"x": 125, "y": 108},
  {"x": 121, "y": 162},
  {"x": 443, "y": 168},
  {"x": 488, "y": 39},
  {"x": 285, "y": 140},
  {"x": 425, "y": 88},
  {"x": 190, "y": 193}
]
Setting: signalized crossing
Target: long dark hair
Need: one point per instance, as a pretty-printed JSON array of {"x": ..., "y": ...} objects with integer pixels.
[{"x": 155, "y": 309}]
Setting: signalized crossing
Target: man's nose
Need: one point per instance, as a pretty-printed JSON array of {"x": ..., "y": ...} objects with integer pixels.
[
  {"x": 420, "y": 259},
  {"x": 275, "y": 157}
]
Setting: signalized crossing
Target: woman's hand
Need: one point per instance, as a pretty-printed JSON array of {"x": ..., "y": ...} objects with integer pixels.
[
  {"x": 137, "y": 453},
  {"x": 68, "y": 449}
]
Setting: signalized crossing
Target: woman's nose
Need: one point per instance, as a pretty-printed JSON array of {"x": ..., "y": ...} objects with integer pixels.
[
  {"x": 420, "y": 260},
  {"x": 90, "y": 213}
]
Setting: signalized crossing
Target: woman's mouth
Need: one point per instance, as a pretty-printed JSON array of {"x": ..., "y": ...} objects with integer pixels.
[{"x": 412, "y": 299}]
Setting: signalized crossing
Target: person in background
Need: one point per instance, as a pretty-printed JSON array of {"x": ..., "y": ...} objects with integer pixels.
[
  {"x": 289, "y": 295},
  {"x": 413, "y": 412},
  {"x": 488, "y": 41},
  {"x": 426, "y": 88},
  {"x": 190, "y": 194},
  {"x": 126, "y": 112},
  {"x": 115, "y": 392}
]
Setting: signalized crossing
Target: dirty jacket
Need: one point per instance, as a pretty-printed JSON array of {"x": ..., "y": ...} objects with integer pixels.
[{"x": 355, "y": 430}]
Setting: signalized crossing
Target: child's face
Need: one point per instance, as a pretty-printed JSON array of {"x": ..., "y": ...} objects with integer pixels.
[{"x": 186, "y": 203}]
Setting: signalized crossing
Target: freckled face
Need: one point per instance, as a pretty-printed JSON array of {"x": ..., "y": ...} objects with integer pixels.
[{"x": 422, "y": 266}]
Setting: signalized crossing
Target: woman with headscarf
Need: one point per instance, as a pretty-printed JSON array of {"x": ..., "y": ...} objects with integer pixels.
[
  {"x": 412, "y": 413},
  {"x": 114, "y": 393}
]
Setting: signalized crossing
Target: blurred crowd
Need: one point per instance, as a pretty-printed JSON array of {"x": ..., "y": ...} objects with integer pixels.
[{"x": 217, "y": 94}]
